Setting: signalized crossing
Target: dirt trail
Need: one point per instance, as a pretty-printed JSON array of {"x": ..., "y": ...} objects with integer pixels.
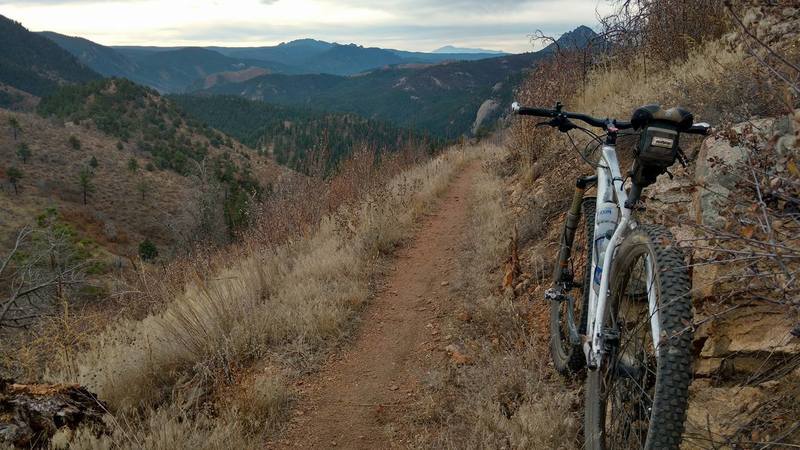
[{"x": 363, "y": 397}]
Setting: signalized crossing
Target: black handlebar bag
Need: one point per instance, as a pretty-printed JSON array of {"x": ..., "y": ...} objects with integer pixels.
[{"x": 656, "y": 151}]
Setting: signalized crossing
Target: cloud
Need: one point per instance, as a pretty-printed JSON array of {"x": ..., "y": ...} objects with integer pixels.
[{"x": 402, "y": 24}]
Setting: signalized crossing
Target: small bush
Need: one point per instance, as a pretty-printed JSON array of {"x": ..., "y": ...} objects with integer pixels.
[
  {"x": 14, "y": 175},
  {"x": 75, "y": 143},
  {"x": 23, "y": 152},
  {"x": 147, "y": 250}
]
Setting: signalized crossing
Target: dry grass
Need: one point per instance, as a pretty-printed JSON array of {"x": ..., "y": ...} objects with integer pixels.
[
  {"x": 715, "y": 81},
  {"x": 507, "y": 397},
  {"x": 277, "y": 305}
]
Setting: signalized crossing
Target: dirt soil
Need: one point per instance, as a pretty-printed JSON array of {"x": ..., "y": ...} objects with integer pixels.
[{"x": 364, "y": 397}]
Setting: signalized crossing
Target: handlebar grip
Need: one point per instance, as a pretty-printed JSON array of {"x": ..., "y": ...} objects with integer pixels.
[
  {"x": 699, "y": 128},
  {"x": 526, "y": 111}
]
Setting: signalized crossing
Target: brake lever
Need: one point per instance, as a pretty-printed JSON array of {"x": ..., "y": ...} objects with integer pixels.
[{"x": 562, "y": 123}]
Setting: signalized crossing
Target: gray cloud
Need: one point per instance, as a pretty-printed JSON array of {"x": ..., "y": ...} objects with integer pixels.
[{"x": 413, "y": 24}]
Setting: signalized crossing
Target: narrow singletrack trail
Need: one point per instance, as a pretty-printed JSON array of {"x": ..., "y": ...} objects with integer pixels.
[{"x": 362, "y": 398}]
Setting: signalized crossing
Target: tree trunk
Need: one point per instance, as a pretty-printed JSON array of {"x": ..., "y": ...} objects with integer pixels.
[{"x": 30, "y": 414}]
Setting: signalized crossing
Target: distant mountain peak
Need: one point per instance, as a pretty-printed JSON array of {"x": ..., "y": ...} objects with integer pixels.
[
  {"x": 580, "y": 37},
  {"x": 308, "y": 43},
  {"x": 453, "y": 49}
]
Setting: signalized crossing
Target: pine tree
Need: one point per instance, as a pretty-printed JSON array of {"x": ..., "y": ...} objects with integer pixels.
[
  {"x": 144, "y": 188},
  {"x": 93, "y": 162},
  {"x": 23, "y": 152},
  {"x": 85, "y": 182},
  {"x": 15, "y": 127},
  {"x": 14, "y": 175},
  {"x": 133, "y": 165}
]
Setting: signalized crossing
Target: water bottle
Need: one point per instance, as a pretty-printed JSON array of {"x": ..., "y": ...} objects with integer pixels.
[{"x": 606, "y": 222}]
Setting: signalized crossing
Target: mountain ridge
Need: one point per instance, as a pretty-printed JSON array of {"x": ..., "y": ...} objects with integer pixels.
[
  {"x": 34, "y": 64},
  {"x": 453, "y": 49},
  {"x": 297, "y": 57}
]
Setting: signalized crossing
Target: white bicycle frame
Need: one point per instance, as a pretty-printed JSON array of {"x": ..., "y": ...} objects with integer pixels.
[{"x": 610, "y": 188}]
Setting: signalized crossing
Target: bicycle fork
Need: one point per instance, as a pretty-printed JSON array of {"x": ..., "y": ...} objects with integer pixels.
[{"x": 564, "y": 279}]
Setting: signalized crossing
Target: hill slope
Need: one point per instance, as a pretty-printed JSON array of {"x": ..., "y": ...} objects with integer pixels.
[
  {"x": 442, "y": 99},
  {"x": 120, "y": 122},
  {"x": 292, "y": 135},
  {"x": 34, "y": 64},
  {"x": 104, "y": 60}
]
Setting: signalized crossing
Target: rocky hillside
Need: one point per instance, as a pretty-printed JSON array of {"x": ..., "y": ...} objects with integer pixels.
[{"x": 122, "y": 165}]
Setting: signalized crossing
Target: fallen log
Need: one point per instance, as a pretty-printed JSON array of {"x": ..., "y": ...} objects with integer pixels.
[{"x": 30, "y": 414}]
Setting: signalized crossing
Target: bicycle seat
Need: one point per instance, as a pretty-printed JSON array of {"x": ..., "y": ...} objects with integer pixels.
[{"x": 647, "y": 114}]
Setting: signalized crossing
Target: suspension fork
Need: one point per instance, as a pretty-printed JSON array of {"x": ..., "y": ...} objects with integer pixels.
[{"x": 561, "y": 272}]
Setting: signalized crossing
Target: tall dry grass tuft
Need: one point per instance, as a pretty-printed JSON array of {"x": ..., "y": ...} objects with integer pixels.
[
  {"x": 281, "y": 304},
  {"x": 506, "y": 397}
]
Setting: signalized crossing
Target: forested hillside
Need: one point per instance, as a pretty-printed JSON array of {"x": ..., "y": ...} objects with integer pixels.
[
  {"x": 442, "y": 99},
  {"x": 34, "y": 64},
  {"x": 292, "y": 136},
  {"x": 447, "y": 99}
]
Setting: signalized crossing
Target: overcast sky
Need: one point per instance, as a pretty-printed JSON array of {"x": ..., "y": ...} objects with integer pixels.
[{"x": 421, "y": 25}]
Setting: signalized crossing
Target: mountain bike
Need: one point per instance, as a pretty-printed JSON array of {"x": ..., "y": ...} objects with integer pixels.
[{"x": 620, "y": 302}]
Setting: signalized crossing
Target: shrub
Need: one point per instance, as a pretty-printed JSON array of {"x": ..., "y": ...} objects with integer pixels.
[
  {"x": 93, "y": 162},
  {"x": 148, "y": 250},
  {"x": 75, "y": 143},
  {"x": 133, "y": 165},
  {"x": 23, "y": 152},
  {"x": 14, "y": 175}
]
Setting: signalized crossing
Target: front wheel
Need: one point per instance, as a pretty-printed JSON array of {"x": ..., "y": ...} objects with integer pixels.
[{"x": 637, "y": 399}]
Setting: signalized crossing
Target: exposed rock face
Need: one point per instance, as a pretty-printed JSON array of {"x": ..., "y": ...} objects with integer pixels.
[
  {"x": 748, "y": 357},
  {"x": 486, "y": 109},
  {"x": 747, "y": 351}
]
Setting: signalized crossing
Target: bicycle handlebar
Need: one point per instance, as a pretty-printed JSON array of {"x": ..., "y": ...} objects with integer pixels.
[
  {"x": 606, "y": 124},
  {"x": 554, "y": 113}
]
